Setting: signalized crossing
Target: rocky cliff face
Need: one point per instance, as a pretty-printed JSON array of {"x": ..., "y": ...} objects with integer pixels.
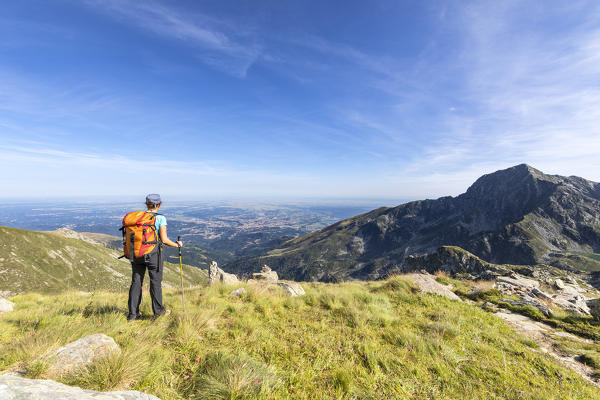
[{"x": 515, "y": 216}]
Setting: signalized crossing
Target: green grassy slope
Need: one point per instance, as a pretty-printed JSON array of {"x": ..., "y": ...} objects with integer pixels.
[
  {"x": 47, "y": 262},
  {"x": 356, "y": 340}
]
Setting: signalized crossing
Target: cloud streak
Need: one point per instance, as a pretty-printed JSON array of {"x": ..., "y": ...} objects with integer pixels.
[{"x": 218, "y": 43}]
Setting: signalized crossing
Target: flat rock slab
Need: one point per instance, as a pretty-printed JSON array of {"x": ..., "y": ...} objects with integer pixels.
[
  {"x": 6, "y": 306},
  {"x": 428, "y": 284},
  {"x": 80, "y": 354},
  {"x": 519, "y": 282},
  {"x": 13, "y": 387}
]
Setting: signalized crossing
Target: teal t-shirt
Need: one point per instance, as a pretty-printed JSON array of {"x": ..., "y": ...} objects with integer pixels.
[{"x": 160, "y": 221}]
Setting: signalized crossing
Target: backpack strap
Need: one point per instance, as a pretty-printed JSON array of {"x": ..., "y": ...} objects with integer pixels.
[
  {"x": 131, "y": 247},
  {"x": 122, "y": 229}
]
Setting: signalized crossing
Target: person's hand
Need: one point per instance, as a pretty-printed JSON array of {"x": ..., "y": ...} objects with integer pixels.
[{"x": 179, "y": 243}]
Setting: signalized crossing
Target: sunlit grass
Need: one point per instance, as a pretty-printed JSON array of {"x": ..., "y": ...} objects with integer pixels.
[{"x": 361, "y": 340}]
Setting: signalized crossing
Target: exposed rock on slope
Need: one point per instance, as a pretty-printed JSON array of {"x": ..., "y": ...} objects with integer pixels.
[
  {"x": 428, "y": 284},
  {"x": 14, "y": 387},
  {"x": 216, "y": 274},
  {"x": 6, "y": 306},
  {"x": 514, "y": 216}
]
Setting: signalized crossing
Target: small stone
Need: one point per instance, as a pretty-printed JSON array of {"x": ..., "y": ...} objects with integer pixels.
[
  {"x": 80, "y": 354},
  {"x": 292, "y": 288},
  {"x": 238, "y": 292},
  {"x": 6, "y": 306}
]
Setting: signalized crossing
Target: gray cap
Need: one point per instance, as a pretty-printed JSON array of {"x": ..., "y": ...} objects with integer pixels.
[{"x": 153, "y": 198}]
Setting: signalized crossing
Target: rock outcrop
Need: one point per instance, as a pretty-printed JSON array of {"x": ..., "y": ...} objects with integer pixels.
[
  {"x": 216, "y": 274},
  {"x": 13, "y": 387},
  {"x": 454, "y": 260},
  {"x": 569, "y": 297},
  {"x": 268, "y": 277},
  {"x": 6, "y": 306},
  {"x": 266, "y": 274},
  {"x": 79, "y": 354}
]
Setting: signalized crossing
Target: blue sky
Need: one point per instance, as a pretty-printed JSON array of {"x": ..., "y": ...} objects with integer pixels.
[{"x": 289, "y": 99}]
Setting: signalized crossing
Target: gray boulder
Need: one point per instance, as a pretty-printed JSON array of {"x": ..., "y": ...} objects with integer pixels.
[
  {"x": 13, "y": 387},
  {"x": 428, "y": 284},
  {"x": 292, "y": 288},
  {"x": 6, "y": 306},
  {"x": 216, "y": 274},
  {"x": 79, "y": 354}
]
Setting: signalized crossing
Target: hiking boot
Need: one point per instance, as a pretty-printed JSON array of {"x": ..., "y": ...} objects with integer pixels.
[
  {"x": 131, "y": 318},
  {"x": 166, "y": 312}
]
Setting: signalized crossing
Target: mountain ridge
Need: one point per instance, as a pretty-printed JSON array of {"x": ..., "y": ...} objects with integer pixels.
[{"x": 518, "y": 215}]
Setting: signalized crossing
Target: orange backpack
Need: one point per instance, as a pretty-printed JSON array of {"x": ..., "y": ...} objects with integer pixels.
[{"x": 140, "y": 238}]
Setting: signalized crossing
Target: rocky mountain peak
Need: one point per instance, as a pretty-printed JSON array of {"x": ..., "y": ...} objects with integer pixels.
[{"x": 505, "y": 196}]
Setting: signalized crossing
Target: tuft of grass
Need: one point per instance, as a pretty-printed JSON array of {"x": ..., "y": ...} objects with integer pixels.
[
  {"x": 116, "y": 371},
  {"x": 341, "y": 380},
  {"x": 37, "y": 369},
  {"x": 222, "y": 376}
]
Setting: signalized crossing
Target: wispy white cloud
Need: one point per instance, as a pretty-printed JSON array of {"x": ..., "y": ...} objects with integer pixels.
[
  {"x": 218, "y": 43},
  {"x": 524, "y": 93}
]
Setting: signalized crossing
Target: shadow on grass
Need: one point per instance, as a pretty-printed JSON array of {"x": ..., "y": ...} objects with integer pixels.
[{"x": 94, "y": 310}]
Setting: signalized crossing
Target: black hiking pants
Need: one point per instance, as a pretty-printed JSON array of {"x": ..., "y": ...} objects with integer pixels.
[{"x": 154, "y": 265}]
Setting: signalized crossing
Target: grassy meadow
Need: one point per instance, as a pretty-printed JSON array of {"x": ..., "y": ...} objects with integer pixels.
[{"x": 356, "y": 340}]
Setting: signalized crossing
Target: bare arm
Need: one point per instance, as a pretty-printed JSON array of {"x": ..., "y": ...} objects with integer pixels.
[{"x": 165, "y": 239}]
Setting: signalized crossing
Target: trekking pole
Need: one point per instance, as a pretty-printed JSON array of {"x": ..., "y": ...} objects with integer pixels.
[{"x": 181, "y": 273}]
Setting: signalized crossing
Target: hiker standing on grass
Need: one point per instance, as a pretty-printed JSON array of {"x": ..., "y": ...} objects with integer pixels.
[{"x": 153, "y": 261}]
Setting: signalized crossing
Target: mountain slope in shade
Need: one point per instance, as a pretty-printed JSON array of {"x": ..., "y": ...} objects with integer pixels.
[
  {"x": 514, "y": 216},
  {"x": 50, "y": 262}
]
